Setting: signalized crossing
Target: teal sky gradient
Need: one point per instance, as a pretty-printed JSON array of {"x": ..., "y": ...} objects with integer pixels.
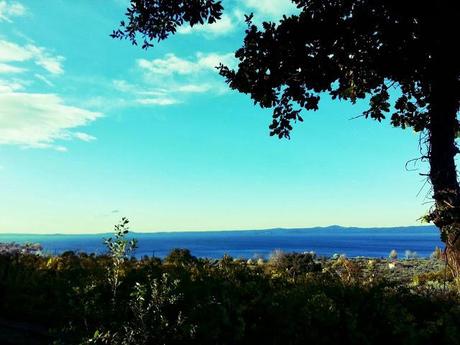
[{"x": 156, "y": 135}]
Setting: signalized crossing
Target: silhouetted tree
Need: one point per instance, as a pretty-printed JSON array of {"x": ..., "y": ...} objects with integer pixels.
[
  {"x": 180, "y": 256},
  {"x": 351, "y": 49}
]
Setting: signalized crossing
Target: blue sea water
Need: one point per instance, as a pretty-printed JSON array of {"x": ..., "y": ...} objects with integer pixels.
[{"x": 368, "y": 242}]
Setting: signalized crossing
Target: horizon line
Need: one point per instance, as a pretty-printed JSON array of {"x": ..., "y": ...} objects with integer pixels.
[{"x": 215, "y": 230}]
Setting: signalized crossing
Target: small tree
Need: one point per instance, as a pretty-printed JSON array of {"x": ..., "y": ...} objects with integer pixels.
[
  {"x": 295, "y": 264},
  {"x": 437, "y": 254},
  {"x": 180, "y": 257},
  {"x": 393, "y": 255},
  {"x": 120, "y": 248}
]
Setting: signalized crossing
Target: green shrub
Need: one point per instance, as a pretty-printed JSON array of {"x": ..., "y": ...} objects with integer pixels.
[
  {"x": 437, "y": 254},
  {"x": 295, "y": 264},
  {"x": 393, "y": 255},
  {"x": 180, "y": 256}
]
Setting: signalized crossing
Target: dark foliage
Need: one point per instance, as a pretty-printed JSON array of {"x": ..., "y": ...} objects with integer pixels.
[
  {"x": 349, "y": 49},
  {"x": 180, "y": 256},
  {"x": 155, "y": 20},
  {"x": 296, "y": 264},
  {"x": 216, "y": 302}
]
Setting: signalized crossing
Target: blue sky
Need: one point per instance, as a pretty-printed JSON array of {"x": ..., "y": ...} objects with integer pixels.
[{"x": 93, "y": 129}]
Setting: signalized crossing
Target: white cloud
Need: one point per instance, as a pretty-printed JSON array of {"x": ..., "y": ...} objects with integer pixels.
[
  {"x": 168, "y": 65},
  {"x": 10, "y": 52},
  {"x": 194, "y": 88},
  {"x": 84, "y": 136},
  {"x": 171, "y": 64},
  {"x": 271, "y": 9},
  {"x": 52, "y": 64},
  {"x": 6, "y": 68},
  {"x": 212, "y": 60},
  {"x": 125, "y": 87},
  {"x": 7, "y": 86},
  {"x": 222, "y": 27},
  {"x": 9, "y": 9},
  {"x": 172, "y": 79},
  {"x": 33, "y": 119},
  {"x": 145, "y": 95},
  {"x": 160, "y": 92},
  {"x": 158, "y": 101},
  {"x": 39, "y": 120},
  {"x": 121, "y": 85},
  {"x": 59, "y": 148},
  {"x": 43, "y": 79},
  {"x": 107, "y": 103}
]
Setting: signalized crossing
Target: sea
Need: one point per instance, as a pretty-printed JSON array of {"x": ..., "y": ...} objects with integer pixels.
[{"x": 324, "y": 241}]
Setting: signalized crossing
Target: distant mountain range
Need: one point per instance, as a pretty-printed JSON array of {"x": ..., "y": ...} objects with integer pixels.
[{"x": 278, "y": 229}]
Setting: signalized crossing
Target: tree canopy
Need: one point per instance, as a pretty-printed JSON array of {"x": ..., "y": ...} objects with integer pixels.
[{"x": 349, "y": 49}]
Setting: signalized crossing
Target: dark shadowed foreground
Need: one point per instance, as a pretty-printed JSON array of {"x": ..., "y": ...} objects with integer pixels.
[{"x": 289, "y": 299}]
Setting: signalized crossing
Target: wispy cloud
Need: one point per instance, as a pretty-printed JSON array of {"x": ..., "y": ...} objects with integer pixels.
[
  {"x": 9, "y": 69},
  {"x": 145, "y": 95},
  {"x": 168, "y": 65},
  {"x": 171, "y": 64},
  {"x": 51, "y": 63},
  {"x": 212, "y": 60},
  {"x": 13, "y": 52},
  {"x": 33, "y": 119},
  {"x": 168, "y": 80},
  {"x": 40, "y": 120},
  {"x": 10, "y": 51},
  {"x": 84, "y": 136},
  {"x": 10, "y": 9},
  {"x": 43, "y": 79},
  {"x": 8, "y": 86},
  {"x": 158, "y": 101},
  {"x": 194, "y": 88}
]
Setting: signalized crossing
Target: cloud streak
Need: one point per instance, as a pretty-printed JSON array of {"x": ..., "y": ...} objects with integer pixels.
[
  {"x": 10, "y": 69},
  {"x": 10, "y": 9},
  {"x": 171, "y": 64},
  {"x": 38, "y": 120},
  {"x": 169, "y": 80},
  {"x": 12, "y": 52}
]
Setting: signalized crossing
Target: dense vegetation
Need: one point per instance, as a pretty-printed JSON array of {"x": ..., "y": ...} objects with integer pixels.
[{"x": 79, "y": 298}]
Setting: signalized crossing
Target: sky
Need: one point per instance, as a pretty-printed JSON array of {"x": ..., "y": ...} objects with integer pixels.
[{"x": 93, "y": 129}]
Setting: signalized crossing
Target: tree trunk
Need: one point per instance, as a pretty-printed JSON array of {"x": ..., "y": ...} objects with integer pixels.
[{"x": 443, "y": 130}]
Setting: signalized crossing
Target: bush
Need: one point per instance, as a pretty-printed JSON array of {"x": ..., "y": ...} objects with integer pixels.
[
  {"x": 393, "y": 255},
  {"x": 294, "y": 264},
  {"x": 180, "y": 257},
  {"x": 410, "y": 254},
  {"x": 437, "y": 254}
]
